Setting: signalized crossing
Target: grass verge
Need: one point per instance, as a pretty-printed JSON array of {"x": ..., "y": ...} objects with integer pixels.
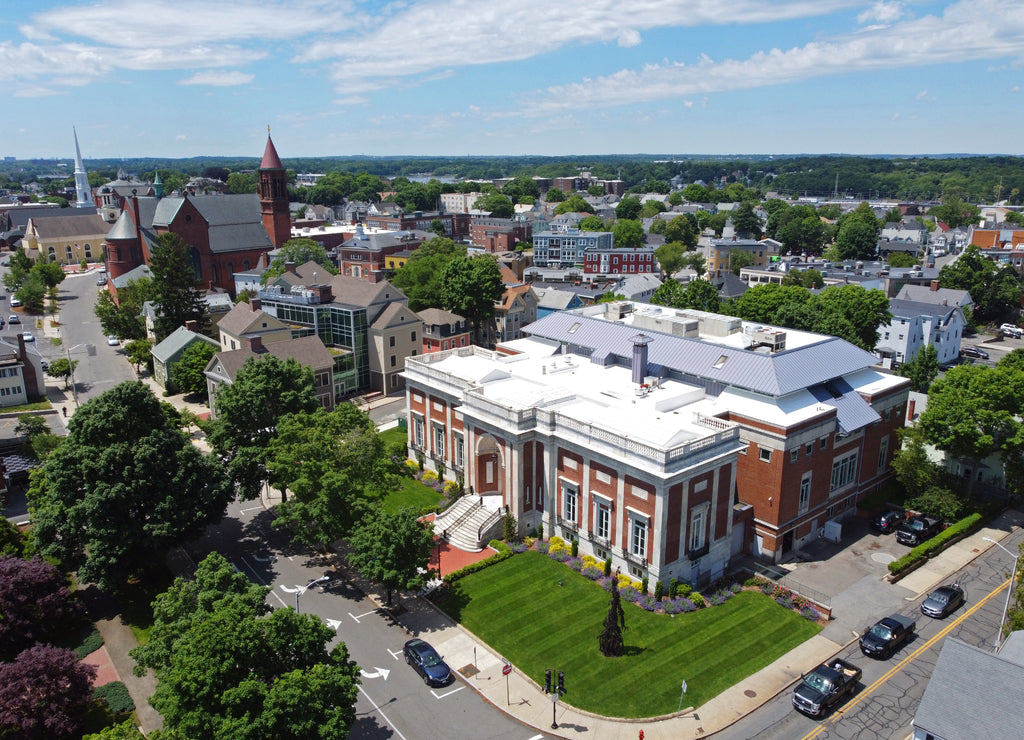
[
  {"x": 412, "y": 494},
  {"x": 539, "y": 614}
]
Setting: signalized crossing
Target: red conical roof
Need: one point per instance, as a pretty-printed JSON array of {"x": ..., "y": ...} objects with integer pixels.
[{"x": 270, "y": 159}]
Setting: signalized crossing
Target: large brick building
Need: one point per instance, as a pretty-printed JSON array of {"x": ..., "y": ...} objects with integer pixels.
[
  {"x": 224, "y": 233},
  {"x": 667, "y": 440}
]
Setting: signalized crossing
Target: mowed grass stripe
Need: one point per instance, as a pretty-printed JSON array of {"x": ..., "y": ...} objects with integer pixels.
[{"x": 539, "y": 614}]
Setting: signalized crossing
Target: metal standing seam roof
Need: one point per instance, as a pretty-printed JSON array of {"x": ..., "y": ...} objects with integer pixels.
[{"x": 772, "y": 374}]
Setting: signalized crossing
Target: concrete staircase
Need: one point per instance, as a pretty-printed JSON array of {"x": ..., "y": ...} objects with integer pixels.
[{"x": 467, "y": 522}]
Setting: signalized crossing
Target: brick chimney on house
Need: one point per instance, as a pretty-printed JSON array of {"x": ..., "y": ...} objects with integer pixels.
[
  {"x": 255, "y": 304},
  {"x": 934, "y": 285},
  {"x": 192, "y": 325},
  {"x": 255, "y": 344},
  {"x": 290, "y": 267},
  {"x": 910, "y": 410}
]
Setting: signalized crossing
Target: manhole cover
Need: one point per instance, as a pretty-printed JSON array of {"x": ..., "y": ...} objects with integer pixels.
[
  {"x": 750, "y": 694},
  {"x": 469, "y": 670},
  {"x": 883, "y": 557}
]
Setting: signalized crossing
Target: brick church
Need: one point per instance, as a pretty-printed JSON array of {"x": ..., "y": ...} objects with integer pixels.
[{"x": 225, "y": 233}]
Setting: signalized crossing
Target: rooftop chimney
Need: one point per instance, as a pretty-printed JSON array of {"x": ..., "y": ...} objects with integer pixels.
[
  {"x": 255, "y": 343},
  {"x": 255, "y": 304},
  {"x": 192, "y": 325},
  {"x": 935, "y": 285},
  {"x": 640, "y": 342},
  {"x": 290, "y": 267}
]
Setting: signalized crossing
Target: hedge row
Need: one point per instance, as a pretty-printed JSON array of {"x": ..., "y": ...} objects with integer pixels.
[
  {"x": 935, "y": 544},
  {"x": 503, "y": 553}
]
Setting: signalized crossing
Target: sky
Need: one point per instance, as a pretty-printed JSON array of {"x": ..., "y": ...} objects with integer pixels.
[{"x": 183, "y": 78}]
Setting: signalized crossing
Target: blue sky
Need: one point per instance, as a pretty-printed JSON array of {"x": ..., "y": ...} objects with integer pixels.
[{"x": 179, "y": 78}]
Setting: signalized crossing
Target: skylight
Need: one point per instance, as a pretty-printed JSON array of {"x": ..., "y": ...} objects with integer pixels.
[{"x": 720, "y": 362}]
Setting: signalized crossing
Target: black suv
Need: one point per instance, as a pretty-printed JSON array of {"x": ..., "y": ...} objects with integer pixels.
[
  {"x": 974, "y": 352},
  {"x": 888, "y": 520}
]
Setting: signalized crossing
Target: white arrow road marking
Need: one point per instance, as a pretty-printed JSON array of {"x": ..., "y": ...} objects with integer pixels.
[
  {"x": 296, "y": 590},
  {"x": 380, "y": 672},
  {"x": 334, "y": 624},
  {"x": 251, "y": 508},
  {"x": 262, "y": 558},
  {"x": 442, "y": 696}
]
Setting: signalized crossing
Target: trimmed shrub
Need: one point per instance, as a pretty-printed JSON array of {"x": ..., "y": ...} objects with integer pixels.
[
  {"x": 936, "y": 543},
  {"x": 89, "y": 644},
  {"x": 659, "y": 589},
  {"x": 643, "y": 586},
  {"x": 116, "y": 695},
  {"x": 575, "y": 548},
  {"x": 698, "y": 600},
  {"x": 607, "y": 566},
  {"x": 540, "y": 531},
  {"x": 683, "y": 589},
  {"x": 673, "y": 588}
]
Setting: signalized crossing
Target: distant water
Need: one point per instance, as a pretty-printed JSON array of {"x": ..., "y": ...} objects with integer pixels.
[{"x": 428, "y": 178}]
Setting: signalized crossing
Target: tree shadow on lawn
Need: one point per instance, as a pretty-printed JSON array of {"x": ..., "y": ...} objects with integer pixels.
[{"x": 452, "y": 600}]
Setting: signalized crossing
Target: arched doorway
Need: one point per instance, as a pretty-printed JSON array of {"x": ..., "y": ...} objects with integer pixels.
[{"x": 489, "y": 466}]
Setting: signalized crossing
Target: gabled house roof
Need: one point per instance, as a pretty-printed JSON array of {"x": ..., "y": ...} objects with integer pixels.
[
  {"x": 308, "y": 351},
  {"x": 395, "y": 315},
  {"x": 82, "y": 224},
  {"x": 177, "y": 341},
  {"x": 438, "y": 316},
  {"x": 511, "y": 294},
  {"x": 938, "y": 297},
  {"x": 242, "y": 319}
]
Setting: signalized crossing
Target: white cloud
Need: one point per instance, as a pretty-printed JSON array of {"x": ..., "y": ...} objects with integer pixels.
[
  {"x": 969, "y": 30},
  {"x": 218, "y": 78},
  {"x": 923, "y": 95},
  {"x": 882, "y": 13},
  {"x": 181, "y": 137}
]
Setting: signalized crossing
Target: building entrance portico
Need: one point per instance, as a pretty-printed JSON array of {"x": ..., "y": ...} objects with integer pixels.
[{"x": 488, "y": 467}]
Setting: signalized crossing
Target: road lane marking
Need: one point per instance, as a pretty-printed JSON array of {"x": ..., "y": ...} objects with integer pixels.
[
  {"x": 365, "y": 614},
  {"x": 839, "y": 713},
  {"x": 442, "y": 696},
  {"x": 381, "y": 712},
  {"x": 394, "y": 653}
]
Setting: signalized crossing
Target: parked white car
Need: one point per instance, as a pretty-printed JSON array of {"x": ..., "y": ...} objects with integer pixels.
[{"x": 1011, "y": 330}]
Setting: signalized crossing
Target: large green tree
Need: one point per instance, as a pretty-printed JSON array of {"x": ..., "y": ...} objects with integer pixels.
[
  {"x": 746, "y": 221},
  {"x": 392, "y": 549},
  {"x": 124, "y": 487},
  {"x": 923, "y": 369},
  {"x": 334, "y": 464},
  {"x": 470, "y": 286},
  {"x": 697, "y": 294},
  {"x": 627, "y": 234},
  {"x": 954, "y": 212},
  {"x": 629, "y": 208},
  {"x": 496, "y": 205},
  {"x": 229, "y": 667},
  {"x": 124, "y": 318},
  {"x": 175, "y": 296},
  {"x": 187, "y": 374},
  {"x": 300, "y": 251},
  {"x": 681, "y": 229},
  {"x": 670, "y": 257},
  {"x": 575, "y": 203},
  {"x": 420, "y": 277},
  {"x": 248, "y": 412},
  {"x": 994, "y": 288}
]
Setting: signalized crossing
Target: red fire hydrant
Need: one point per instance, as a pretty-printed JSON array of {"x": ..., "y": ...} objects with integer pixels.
[{"x": 641, "y": 735}]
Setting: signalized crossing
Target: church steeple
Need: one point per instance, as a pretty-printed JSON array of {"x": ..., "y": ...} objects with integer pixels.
[
  {"x": 158, "y": 185},
  {"x": 273, "y": 189},
  {"x": 83, "y": 193}
]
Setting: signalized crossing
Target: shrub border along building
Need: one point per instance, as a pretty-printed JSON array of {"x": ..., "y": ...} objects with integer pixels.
[{"x": 936, "y": 544}]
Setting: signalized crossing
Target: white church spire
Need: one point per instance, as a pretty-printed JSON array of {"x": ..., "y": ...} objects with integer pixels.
[{"x": 83, "y": 194}]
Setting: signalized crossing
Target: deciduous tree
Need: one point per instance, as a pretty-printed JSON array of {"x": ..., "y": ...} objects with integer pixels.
[
  {"x": 470, "y": 286},
  {"x": 35, "y": 603},
  {"x": 994, "y": 288},
  {"x": 392, "y": 549},
  {"x": 300, "y": 251},
  {"x": 420, "y": 277},
  {"x": 249, "y": 410},
  {"x": 334, "y": 464},
  {"x": 187, "y": 373},
  {"x": 124, "y": 319},
  {"x": 124, "y": 487},
  {"x": 627, "y": 234},
  {"x": 62, "y": 368},
  {"x": 575, "y": 203},
  {"x": 923, "y": 369},
  {"x": 44, "y": 694},
  {"x": 628, "y": 208}
]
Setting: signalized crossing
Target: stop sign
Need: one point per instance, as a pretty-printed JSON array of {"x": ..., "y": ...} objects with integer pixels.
[{"x": 506, "y": 669}]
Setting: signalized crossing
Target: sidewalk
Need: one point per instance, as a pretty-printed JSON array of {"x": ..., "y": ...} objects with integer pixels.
[{"x": 527, "y": 703}]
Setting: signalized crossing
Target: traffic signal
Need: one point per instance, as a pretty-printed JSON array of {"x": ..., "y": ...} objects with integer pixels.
[
  {"x": 561, "y": 682},
  {"x": 547, "y": 682}
]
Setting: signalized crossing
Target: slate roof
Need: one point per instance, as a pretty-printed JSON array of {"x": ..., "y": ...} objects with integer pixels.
[
  {"x": 772, "y": 374},
  {"x": 270, "y": 159},
  {"x": 396, "y": 314},
  {"x": 241, "y": 319},
  {"x": 899, "y": 307},
  {"x": 972, "y": 693},
  {"x": 142, "y": 271},
  {"x": 84, "y": 224},
  {"x": 924, "y": 294},
  {"x": 20, "y": 215},
  {"x": 234, "y": 221},
  {"x": 308, "y": 351},
  {"x": 176, "y": 341},
  {"x": 554, "y": 299},
  {"x": 438, "y": 316}
]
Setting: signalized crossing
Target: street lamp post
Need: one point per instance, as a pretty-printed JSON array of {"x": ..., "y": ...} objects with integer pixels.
[
  {"x": 71, "y": 368},
  {"x": 308, "y": 586},
  {"x": 1009, "y": 588}
]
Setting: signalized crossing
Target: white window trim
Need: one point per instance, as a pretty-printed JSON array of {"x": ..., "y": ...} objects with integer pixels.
[{"x": 698, "y": 534}]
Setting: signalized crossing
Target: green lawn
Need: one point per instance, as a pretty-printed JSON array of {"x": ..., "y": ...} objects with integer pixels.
[
  {"x": 412, "y": 494},
  {"x": 539, "y": 614}
]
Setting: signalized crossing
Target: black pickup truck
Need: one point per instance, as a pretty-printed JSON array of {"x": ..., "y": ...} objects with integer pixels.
[
  {"x": 917, "y": 529},
  {"x": 886, "y": 636},
  {"x": 825, "y": 686}
]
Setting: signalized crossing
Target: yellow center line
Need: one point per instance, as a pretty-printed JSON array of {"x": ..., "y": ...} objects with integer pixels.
[{"x": 838, "y": 715}]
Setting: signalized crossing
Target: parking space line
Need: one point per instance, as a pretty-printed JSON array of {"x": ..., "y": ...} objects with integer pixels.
[
  {"x": 394, "y": 653},
  {"x": 442, "y": 696},
  {"x": 381, "y": 713}
]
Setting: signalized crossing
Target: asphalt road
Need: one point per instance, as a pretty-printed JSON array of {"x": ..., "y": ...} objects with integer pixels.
[
  {"x": 100, "y": 367},
  {"x": 890, "y": 690},
  {"x": 393, "y": 700}
]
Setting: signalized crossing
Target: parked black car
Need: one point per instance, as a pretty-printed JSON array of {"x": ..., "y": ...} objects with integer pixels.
[
  {"x": 886, "y": 636},
  {"x": 426, "y": 662},
  {"x": 917, "y": 529},
  {"x": 887, "y": 521},
  {"x": 943, "y": 601},
  {"x": 975, "y": 352}
]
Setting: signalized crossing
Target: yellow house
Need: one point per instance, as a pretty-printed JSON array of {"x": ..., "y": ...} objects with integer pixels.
[
  {"x": 66, "y": 239},
  {"x": 760, "y": 252},
  {"x": 397, "y": 260}
]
